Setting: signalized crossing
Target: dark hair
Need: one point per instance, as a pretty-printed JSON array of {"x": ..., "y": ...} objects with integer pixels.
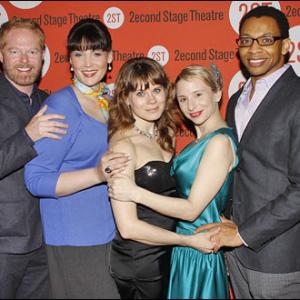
[
  {"x": 142, "y": 71},
  {"x": 269, "y": 11},
  {"x": 89, "y": 34}
]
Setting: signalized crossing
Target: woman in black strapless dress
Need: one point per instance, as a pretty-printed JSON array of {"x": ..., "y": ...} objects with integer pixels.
[
  {"x": 141, "y": 124},
  {"x": 143, "y": 269}
]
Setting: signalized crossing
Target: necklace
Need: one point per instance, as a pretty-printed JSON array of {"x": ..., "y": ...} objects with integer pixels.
[
  {"x": 103, "y": 94},
  {"x": 147, "y": 134}
]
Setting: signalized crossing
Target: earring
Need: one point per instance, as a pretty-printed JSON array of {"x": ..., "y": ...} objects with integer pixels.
[
  {"x": 72, "y": 69},
  {"x": 109, "y": 67}
]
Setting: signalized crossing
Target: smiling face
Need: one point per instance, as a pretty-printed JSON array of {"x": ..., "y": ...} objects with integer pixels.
[
  {"x": 196, "y": 100},
  {"x": 22, "y": 57},
  {"x": 147, "y": 103},
  {"x": 90, "y": 66},
  {"x": 261, "y": 61}
]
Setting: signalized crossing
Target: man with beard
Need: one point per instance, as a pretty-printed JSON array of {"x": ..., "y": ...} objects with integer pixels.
[{"x": 23, "y": 263}]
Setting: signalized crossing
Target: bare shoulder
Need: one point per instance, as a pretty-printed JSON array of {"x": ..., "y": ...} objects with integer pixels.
[
  {"x": 219, "y": 145},
  {"x": 121, "y": 142},
  {"x": 220, "y": 140}
]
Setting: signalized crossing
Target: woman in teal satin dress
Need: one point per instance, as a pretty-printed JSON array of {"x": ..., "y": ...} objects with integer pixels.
[
  {"x": 195, "y": 275},
  {"x": 203, "y": 172}
]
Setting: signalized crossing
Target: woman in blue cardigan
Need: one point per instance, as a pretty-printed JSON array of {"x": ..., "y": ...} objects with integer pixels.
[{"x": 69, "y": 174}]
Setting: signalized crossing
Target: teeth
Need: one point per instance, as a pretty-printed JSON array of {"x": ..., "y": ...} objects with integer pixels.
[
  {"x": 253, "y": 61},
  {"x": 24, "y": 69}
]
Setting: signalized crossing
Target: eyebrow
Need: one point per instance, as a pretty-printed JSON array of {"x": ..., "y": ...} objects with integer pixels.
[
  {"x": 15, "y": 47},
  {"x": 249, "y": 35},
  {"x": 193, "y": 92}
]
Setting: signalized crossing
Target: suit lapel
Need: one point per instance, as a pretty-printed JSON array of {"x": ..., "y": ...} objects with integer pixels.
[
  {"x": 272, "y": 95},
  {"x": 10, "y": 99},
  {"x": 230, "y": 117}
]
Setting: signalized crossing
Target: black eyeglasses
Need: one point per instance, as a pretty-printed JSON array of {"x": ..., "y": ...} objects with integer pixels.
[{"x": 262, "y": 41}]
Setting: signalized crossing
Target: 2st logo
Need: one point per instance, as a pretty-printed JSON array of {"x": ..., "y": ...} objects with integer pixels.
[
  {"x": 239, "y": 8},
  {"x": 160, "y": 54},
  {"x": 3, "y": 15},
  {"x": 113, "y": 17},
  {"x": 294, "y": 58}
]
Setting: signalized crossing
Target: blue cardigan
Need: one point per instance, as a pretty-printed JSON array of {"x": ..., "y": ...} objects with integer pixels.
[{"x": 83, "y": 218}]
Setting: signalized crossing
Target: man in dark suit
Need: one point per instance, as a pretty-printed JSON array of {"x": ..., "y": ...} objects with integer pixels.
[
  {"x": 265, "y": 225},
  {"x": 23, "y": 263}
]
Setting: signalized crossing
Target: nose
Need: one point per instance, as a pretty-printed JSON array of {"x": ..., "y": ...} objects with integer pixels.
[
  {"x": 24, "y": 57},
  {"x": 190, "y": 104},
  {"x": 255, "y": 46},
  {"x": 152, "y": 97},
  {"x": 87, "y": 61}
]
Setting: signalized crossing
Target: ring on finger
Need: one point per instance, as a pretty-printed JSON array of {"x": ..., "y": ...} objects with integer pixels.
[{"x": 108, "y": 170}]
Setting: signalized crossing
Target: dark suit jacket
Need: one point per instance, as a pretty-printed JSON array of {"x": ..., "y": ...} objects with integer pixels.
[
  {"x": 20, "y": 224},
  {"x": 266, "y": 189}
]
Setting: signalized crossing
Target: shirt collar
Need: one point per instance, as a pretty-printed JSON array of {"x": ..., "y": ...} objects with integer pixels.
[
  {"x": 268, "y": 80},
  {"x": 20, "y": 94},
  {"x": 23, "y": 95},
  {"x": 273, "y": 77}
]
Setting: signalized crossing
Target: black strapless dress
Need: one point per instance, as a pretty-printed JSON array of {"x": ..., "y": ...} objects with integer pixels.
[{"x": 132, "y": 261}]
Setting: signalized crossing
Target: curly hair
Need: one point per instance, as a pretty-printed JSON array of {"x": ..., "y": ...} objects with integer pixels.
[{"x": 131, "y": 74}]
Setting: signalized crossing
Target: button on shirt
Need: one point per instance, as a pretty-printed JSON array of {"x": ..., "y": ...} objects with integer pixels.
[
  {"x": 245, "y": 108},
  {"x": 34, "y": 106}
]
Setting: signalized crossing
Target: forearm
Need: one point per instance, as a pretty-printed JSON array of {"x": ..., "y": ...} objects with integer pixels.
[
  {"x": 146, "y": 233},
  {"x": 270, "y": 221},
  {"x": 72, "y": 182},
  {"x": 170, "y": 206}
]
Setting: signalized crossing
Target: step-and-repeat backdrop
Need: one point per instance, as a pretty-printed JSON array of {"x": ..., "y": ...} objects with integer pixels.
[{"x": 175, "y": 33}]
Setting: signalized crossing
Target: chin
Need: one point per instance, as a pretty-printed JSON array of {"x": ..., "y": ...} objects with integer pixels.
[
  {"x": 25, "y": 81},
  {"x": 151, "y": 118},
  {"x": 155, "y": 116},
  {"x": 261, "y": 71}
]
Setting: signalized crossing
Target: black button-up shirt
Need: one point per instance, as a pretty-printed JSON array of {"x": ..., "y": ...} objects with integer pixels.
[{"x": 34, "y": 106}]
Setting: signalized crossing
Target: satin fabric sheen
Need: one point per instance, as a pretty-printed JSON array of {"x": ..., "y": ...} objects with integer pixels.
[{"x": 195, "y": 275}]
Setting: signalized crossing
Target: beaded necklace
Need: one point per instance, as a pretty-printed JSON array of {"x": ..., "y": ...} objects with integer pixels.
[
  {"x": 147, "y": 134},
  {"x": 103, "y": 94}
]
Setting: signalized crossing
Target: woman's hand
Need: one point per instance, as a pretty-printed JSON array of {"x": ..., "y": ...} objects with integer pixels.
[
  {"x": 202, "y": 241},
  {"x": 111, "y": 163},
  {"x": 123, "y": 188}
]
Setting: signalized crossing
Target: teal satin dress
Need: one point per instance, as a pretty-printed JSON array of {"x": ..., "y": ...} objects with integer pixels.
[{"x": 196, "y": 275}]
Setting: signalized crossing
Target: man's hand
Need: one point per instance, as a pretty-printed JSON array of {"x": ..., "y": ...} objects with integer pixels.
[
  {"x": 42, "y": 125},
  {"x": 227, "y": 234},
  {"x": 203, "y": 241}
]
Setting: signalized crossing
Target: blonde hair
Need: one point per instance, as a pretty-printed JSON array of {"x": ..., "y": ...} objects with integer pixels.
[
  {"x": 212, "y": 77},
  {"x": 23, "y": 23}
]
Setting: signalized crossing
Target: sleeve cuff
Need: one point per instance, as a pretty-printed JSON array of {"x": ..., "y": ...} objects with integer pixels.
[
  {"x": 242, "y": 239},
  {"x": 43, "y": 186}
]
